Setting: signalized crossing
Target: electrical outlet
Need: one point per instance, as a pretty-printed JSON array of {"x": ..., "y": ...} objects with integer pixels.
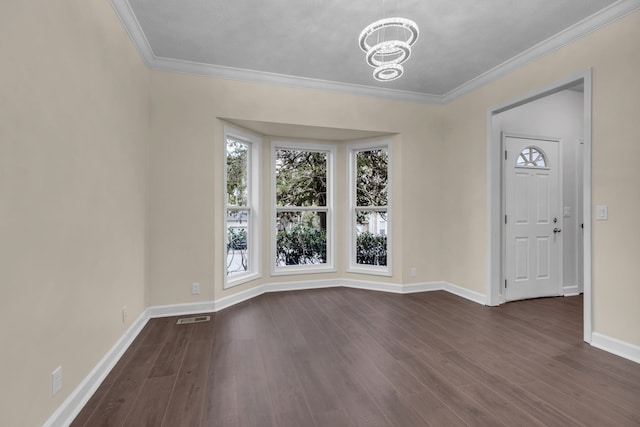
[
  {"x": 124, "y": 314},
  {"x": 413, "y": 272},
  {"x": 195, "y": 289},
  {"x": 56, "y": 380}
]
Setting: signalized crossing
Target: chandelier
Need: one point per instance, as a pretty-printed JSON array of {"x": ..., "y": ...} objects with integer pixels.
[{"x": 387, "y": 44}]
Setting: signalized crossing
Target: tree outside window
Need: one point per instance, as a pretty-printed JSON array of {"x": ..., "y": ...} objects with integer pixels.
[
  {"x": 302, "y": 206},
  {"x": 238, "y": 212},
  {"x": 370, "y": 206}
]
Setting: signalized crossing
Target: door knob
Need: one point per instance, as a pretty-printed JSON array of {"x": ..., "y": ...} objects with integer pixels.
[{"x": 556, "y": 230}]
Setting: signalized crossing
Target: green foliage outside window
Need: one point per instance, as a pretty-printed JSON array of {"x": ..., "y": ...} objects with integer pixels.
[
  {"x": 301, "y": 245},
  {"x": 301, "y": 178},
  {"x": 237, "y": 169},
  {"x": 372, "y": 168},
  {"x": 371, "y": 249},
  {"x": 301, "y": 181}
]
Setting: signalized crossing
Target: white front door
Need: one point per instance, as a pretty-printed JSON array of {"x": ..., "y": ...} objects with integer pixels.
[{"x": 533, "y": 221}]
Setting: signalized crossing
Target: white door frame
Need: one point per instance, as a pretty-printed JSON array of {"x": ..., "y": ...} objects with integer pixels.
[{"x": 494, "y": 287}]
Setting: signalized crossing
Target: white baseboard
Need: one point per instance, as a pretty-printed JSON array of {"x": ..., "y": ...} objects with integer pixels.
[
  {"x": 241, "y": 296},
  {"x": 571, "y": 290},
  {"x": 180, "y": 309},
  {"x": 372, "y": 286},
  {"x": 413, "y": 288},
  {"x": 72, "y": 405},
  {"x": 618, "y": 347},
  {"x": 70, "y": 408},
  {"x": 466, "y": 293},
  {"x": 330, "y": 283}
]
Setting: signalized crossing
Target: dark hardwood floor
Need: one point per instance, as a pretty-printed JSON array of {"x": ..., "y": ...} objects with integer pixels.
[{"x": 347, "y": 357}]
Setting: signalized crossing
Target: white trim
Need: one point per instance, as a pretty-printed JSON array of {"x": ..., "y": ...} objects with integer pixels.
[
  {"x": 330, "y": 265},
  {"x": 73, "y": 404},
  {"x": 588, "y": 25},
  {"x": 373, "y": 270},
  {"x": 465, "y": 293},
  {"x": 413, "y": 288},
  {"x": 238, "y": 74},
  {"x": 615, "y": 346},
  {"x": 586, "y": 208},
  {"x": 374, "y": 286},
  {"x": 352, "y": 149},
  {"x": 133, "y": 28},
  {"x": 254, "y": 201},
  {"x": 347, "y": 283},
  {"x": 237, "y": 298},
  {"x": 494, "y": 284},
  {"x": 180, "y": 309},
  {"x": 71, "y": 407},
  {"x": 570, "y": 290},
  {"x": 301, "y": 285},
  {"x": 292, "y": 270}
]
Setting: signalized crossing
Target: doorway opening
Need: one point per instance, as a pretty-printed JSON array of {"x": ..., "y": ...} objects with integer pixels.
[{"x": 518, "y": 119}]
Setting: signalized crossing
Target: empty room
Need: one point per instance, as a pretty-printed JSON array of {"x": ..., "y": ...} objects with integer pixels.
[{"x": 389, "y": 212}]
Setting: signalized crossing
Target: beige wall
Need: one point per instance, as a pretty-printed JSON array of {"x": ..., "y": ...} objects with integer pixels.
[
  {"x": 440, "y": 180},
  {"x": 73, "y": 155},
  {"x": 186, "y": 164},
  {"x": 614, "y": 55},
  {"x": 78, "y": 111}
]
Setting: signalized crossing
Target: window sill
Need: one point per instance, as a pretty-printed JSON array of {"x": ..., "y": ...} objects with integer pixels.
[
  {"x": 240, "y": 279},
  {"x": 302, "y": 269},
  {"x": 372, "y": 270}
]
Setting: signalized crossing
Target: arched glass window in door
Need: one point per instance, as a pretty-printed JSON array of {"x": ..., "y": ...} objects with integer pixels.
[{"x": 531, "y": 157}]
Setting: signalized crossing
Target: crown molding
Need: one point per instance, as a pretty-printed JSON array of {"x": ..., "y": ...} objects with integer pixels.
[
  {"x": 230, "y": 73},
  {"x": 592, "y": 23},
  {"x": 133, "y": 28},
  {"x": 588, "y": 25}
]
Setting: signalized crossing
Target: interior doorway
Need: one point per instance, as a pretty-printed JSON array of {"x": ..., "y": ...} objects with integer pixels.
[{"x": 574, "y": 212}]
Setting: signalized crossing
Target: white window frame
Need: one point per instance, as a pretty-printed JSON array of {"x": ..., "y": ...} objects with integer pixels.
[
  {"x": 329, "y": 266},
  {"x": 352, "y": 265},
  {"x": 253, "y": 206}
]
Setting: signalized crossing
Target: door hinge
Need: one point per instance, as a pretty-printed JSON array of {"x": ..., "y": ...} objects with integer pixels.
[
  {"x": 505, "y": 283},
  {"x": 505, "y": 154},
  {"x": 505, "y": 219}
]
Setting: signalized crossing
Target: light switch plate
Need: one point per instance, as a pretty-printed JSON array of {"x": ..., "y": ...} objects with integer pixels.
[
  {"x": 602, "y": 213},
  {"x": 567, "y": 211}
]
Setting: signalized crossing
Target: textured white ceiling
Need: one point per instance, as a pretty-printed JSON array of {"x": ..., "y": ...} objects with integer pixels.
[{"x": 317, "y": 39}]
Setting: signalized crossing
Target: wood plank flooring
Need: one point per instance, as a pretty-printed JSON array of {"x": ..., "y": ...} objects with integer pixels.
[{"x": 348, "y": 357}]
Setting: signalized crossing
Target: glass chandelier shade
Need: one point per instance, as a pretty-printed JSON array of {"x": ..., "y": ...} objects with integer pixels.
[{"x": 385, "y": 53}]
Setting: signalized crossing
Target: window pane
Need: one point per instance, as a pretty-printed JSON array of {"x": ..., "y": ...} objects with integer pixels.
[
  {"x": 531, "y": 157},
  {"x": 237, "y": 171},
  {"x": 301, "y": 178},
  {"x": 301, "y": 238},
  {"x": 237, "y": 241},
  {"x": 371, "y": 177},
  {"x": 371, "y": 238}
]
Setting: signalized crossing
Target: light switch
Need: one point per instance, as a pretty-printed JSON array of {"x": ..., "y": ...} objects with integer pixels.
[
  {"x": 567, "y": 211},
  {"x": 602, "y": 213}
]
